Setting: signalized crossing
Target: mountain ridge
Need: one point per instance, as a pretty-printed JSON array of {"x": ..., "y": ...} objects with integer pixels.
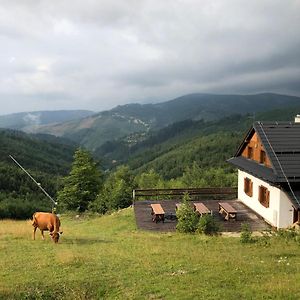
[
  {"x": 94, "y": 130},
  {"x": 26, "y": 121}
]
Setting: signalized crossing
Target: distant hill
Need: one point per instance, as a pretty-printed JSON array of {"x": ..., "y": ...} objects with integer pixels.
[
  {"x": 171, "y": 149},
  {"x": 205, "y": 107},
  {"x": 94, "y": 130},
  {"x": 28, "y": 121},
  {"x": 134, "y": 121}
]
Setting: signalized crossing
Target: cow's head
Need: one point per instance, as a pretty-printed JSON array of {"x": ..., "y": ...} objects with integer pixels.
[{"x": 55, "y": 236}]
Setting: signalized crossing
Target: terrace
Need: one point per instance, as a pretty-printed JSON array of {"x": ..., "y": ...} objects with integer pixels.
[{"x": 209, "y": 197}]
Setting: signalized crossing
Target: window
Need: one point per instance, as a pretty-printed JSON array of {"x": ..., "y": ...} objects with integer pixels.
[
  {"x": 264, "y": 196},
  {"x": 250, "y": 152},
  {"x": 248, "y": 187},
  {"x": 262, "y": 157}
]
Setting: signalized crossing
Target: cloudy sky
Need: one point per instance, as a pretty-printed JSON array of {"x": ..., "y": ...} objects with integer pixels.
[{"x": 96, "y": 54}]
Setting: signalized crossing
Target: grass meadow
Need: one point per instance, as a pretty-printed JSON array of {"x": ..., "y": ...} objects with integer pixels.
[{"x": 108, "y": 258}]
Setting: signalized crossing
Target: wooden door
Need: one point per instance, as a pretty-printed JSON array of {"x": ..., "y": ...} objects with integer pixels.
[{"x": 296, "y": 215}]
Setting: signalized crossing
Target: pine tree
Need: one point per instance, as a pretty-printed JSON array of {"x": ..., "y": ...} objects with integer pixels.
[
  {"x": 187, "y": 218},
  {"x": 83, "y": 183}
]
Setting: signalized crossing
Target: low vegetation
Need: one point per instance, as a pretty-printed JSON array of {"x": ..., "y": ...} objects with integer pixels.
[
  {"x": 107, "y": 258},
  {"x": 189, "y": 221},
  {"x": 208, "y": 225},
  {"x": 246, "y": 234},
  {"x": 187, "y": 218}
]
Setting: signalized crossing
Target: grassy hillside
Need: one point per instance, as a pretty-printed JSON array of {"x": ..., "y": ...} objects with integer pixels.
[{"x": 107, "y": 258}]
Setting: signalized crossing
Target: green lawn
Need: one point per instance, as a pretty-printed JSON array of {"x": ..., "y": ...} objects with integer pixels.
[{"x": 108, "y": 258}]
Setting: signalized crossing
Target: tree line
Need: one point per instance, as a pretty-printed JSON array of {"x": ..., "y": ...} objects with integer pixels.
[
  {"x": 87, "y": 188},
  {"x": 81, "y": 184}
]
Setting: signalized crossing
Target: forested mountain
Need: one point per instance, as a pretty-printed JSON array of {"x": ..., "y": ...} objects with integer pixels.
[
  {"x": 172, "y": 145},
  {"x": 46, "y": 159},
  {"x": 135, "y": 120},
  {"x": 28, "y": 121},
  {"x": 187, "y": 153},
  {"x": 94, "y": 130},
  {"x": 42, "y": 153}
]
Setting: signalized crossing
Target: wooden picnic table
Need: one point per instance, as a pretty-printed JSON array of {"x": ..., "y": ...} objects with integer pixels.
[
  {"x": 158, "y": 214},
  {"x": 227, "y": 210},
  {"x": 201, "y": 209},
  {"x": 177, "y": 205}
]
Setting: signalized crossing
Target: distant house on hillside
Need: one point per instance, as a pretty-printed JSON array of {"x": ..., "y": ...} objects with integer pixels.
[{"x": 268, "y": 162}]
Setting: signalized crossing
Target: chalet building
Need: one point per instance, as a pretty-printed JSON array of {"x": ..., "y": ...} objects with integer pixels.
[{"x": 268, "y": 162}]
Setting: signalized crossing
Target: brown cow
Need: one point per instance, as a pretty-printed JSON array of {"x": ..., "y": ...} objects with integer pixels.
[{"x": 46, "y": 222}]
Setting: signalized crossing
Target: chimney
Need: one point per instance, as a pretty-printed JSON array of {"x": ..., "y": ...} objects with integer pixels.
[{"x": 297, "y": 119}]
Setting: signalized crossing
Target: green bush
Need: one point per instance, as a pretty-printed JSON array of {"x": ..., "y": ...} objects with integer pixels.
[
  {"x": 265, "y": 238},
  {"x": 288, "y": 235},
  {"x": 208, "y": 225},
  {"x": 246, "y": 234},
  {"x": 187, "y": 218}
]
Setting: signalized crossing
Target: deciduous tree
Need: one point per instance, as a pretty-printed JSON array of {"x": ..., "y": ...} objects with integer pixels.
[{"x": 116, "y": 192}]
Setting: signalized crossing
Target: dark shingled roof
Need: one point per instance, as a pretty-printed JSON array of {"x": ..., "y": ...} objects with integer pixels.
[
  {"x": 281, "y": 141},
  {"x": 282, "y": 144},
  {"x": 252, "y": 167}
]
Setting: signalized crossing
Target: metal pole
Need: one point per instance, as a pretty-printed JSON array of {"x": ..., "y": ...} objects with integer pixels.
[{"x": 37, "y": 183}]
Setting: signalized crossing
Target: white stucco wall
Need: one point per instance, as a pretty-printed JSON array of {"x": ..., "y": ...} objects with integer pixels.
[{"x": 280, "y": 211}]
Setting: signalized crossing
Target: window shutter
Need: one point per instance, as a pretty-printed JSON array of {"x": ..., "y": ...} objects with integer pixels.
[
  {"x": 267, "y": 198},
  {"x": 245, "y": 185},
  {"x": 260, "y": 193},
  {"x": 251, "y": 189}
]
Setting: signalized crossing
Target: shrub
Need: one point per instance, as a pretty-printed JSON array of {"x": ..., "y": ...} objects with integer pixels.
[
  {"x": 187, "y": 218},
  {"x": 288, "y": 235},
  {"x": 208, "y": 225},
  {"x": 265, "y": 239},
  {"x": 246, "y": 234}
]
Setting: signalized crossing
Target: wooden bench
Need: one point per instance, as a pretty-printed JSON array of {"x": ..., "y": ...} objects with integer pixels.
[
  {"x": 157, "y": 213},
  {"x": 227, "y": 210},
  {"x": 201, "y": 209}
]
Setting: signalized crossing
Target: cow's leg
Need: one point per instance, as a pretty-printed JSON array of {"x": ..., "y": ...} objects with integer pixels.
[
  {"x": 34, "y": 230},
  {"x": 42, "y": 232}
]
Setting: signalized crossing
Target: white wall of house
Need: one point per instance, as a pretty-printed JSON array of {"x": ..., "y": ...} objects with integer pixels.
[{"x": 280, "y": 210}]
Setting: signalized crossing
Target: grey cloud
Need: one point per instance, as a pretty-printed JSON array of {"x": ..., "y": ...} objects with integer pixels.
[{"x": 98, "y": 54}]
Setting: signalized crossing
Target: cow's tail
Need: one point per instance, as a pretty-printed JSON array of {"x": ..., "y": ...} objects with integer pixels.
[
  {"x": 56, "y": 224},
  {"x": 34, "y": 221}
]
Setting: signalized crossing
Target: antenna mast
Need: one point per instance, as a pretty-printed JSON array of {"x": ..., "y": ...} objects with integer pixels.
[{"x": 37, "y": 183}]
